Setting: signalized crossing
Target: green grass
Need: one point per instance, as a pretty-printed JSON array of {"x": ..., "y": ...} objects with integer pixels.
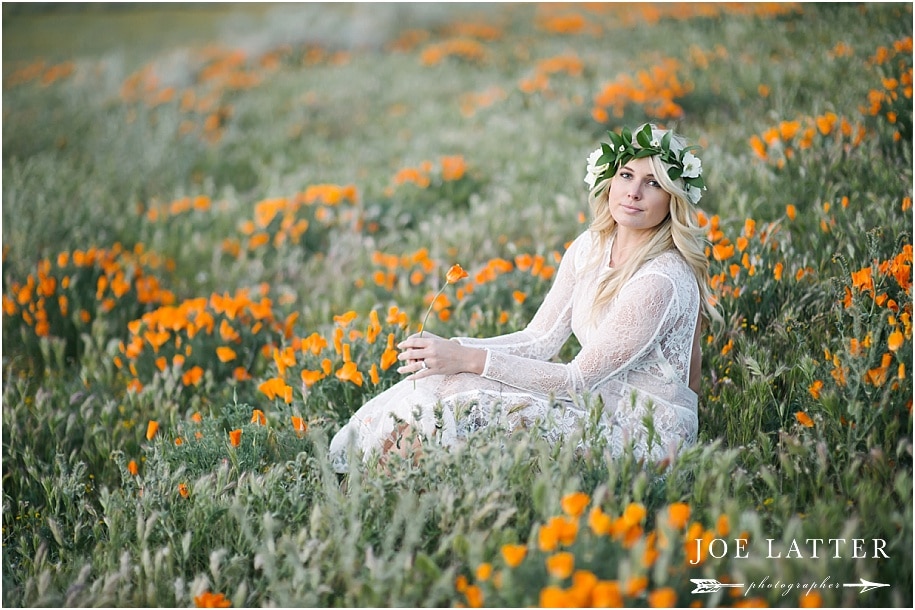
[{"x": 99, "y": 159}]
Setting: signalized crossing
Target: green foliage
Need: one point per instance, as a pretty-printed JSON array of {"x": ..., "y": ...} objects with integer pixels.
[{"x": 298, "y": 204}]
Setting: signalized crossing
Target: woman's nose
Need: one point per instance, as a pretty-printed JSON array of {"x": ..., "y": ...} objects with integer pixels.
[{"x": 635, "y": 192}]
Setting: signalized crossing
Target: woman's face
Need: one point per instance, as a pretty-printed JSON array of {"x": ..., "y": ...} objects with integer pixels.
[{"x": 636, "y": 198}]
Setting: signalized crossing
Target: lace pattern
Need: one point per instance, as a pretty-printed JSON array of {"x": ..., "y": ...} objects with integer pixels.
[{"x": 635, "y": 358}]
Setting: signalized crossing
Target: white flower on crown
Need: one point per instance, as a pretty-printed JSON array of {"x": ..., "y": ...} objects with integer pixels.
[
  {"x": 692, "y": 166},
  {"x": 693, "y": 193},
  {"x": 594, "y": 170},
  {"x": 676, "y": 146},
  {"x": 656, "y": 143}
]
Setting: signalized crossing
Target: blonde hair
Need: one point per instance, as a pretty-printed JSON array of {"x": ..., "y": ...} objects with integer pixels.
[{"x": 679, "y": 231}]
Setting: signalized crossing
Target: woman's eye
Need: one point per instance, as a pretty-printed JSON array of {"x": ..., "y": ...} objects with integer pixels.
[
  {"x": 625, "y": 175},
  {"x": 654, "y": 183}
]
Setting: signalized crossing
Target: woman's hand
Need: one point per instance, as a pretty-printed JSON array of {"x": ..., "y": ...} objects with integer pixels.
[{"x": 432, "y": 355}]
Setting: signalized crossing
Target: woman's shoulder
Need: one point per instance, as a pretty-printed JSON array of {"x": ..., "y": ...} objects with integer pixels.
[
  {"x": 580, "y": 248},
  {"x": 670, "y": 263}
]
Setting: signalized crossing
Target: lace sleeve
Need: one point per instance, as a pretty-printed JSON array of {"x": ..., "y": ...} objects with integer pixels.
[
  {"x": 550, "y": 327},
  {"x": 630, "y": 329}
]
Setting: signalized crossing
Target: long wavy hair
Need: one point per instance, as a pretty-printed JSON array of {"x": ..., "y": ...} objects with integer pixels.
[{"x": 679, "y": 231}]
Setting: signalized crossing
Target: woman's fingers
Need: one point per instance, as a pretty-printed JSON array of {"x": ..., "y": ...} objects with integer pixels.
[
  {"x": 415, "y": 342},
  {"x": 412, "y": 354},
  {"x": 416, "y": 368},
  {"x": 415, "y": 348}
]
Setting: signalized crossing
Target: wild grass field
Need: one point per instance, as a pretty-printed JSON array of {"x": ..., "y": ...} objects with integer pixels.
[{"x": 218, "y": 220}]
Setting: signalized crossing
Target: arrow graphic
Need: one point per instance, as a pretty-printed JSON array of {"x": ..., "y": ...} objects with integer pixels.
[
  {"x": 710, "y": 585},
  {"x": 865, "y": 585}
]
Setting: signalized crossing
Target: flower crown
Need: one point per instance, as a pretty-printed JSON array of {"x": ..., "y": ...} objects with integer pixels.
[{"x": 623, "y": 147}]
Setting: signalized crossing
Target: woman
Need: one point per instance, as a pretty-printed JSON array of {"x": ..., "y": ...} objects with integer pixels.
[{"x": 632, "y": 288}]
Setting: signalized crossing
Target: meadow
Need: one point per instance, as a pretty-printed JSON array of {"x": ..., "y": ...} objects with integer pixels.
[{"x": 214, "y": 237}]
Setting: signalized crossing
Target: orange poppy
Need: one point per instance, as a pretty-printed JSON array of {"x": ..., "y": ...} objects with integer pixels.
[
  {"x": 606, "y": 594},
  {"x": 634, "y": 514},
  {"x": 895, "y": 341},
  {"x": 309, "y": 378},
  {"x": 635, "y": 585},
  {"x": 553, "y": 597},
  {"x": 803, "y": 419},
  {"x": 455, "y": 274},
  {"x": 600, "y": 522},
  {"x": 513, "y": 554},
  {"x": 225, "y": 354},
  {"x": 484, "y": 571},
  {"x": 192, "y": 377},
  {"x": 474, "y": 596},
  {"x": 678, "y": 515},
  {"x": 560, "y": 565},
  {"x": 211, "y": 600},
  {"x": 665, "y": 597},
  {"x": 349, "y": 372},
  {"x": 298, "y": 424},
  {"x": 574, "y": 504},
  {"x": 276, "y": 387}
]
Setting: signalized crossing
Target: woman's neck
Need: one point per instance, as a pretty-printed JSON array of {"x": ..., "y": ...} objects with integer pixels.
[{"x": 624, "y": 244}]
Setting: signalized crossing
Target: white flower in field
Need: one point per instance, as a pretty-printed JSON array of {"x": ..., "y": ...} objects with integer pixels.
[
  {"x": 594, "y": 170},
  {"x": 692, "y": 166},
  {"x": 694, "y": 194}
]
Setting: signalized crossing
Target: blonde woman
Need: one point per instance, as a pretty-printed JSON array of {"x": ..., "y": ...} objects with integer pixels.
[{"x": 632, "y": 288}]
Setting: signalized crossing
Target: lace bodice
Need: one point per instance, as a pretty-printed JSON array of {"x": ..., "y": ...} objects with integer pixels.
[
  {"x": 635, "y": 356},
  {"x": 643, "y": 338}
]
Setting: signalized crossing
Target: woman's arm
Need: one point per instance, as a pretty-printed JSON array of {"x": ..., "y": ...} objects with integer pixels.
[
  {"x": 630, "y": 329},
  {"x": 550, "y": 327}
]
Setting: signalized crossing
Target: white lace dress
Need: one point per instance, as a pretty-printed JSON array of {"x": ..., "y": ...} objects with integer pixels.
[{"x": 635, "y": 358}]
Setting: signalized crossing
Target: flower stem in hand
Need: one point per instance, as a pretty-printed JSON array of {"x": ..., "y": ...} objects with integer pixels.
[{"x": 455, "y": 274}]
